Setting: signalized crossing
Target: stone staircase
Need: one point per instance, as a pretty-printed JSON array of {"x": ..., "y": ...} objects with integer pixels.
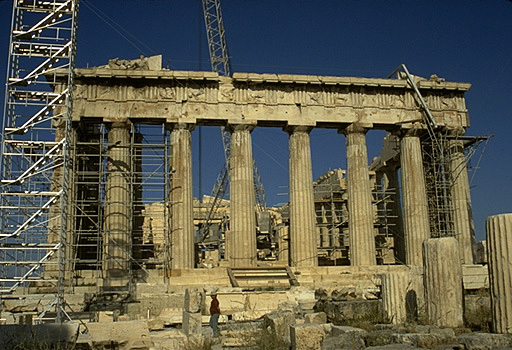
[{"x": 262, "y": 278}]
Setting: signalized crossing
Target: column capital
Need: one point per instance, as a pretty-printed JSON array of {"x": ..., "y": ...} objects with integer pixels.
[
  {"x": 357, "y": 128},
  {"x": 456, "y": 131},
  {"x": 290, "y": 129},
  {"x": 121, "y": 125},
  {"x": 412, "y": 129},
  {"x": 240, "y": 127},
  {"x": 181, "y": 126}
]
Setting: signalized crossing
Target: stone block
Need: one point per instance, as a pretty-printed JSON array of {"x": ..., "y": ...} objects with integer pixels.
[
  {"x": 192, "y": 323},
  {"x": 280, "y": 323},
  {"x": 484, "y": 341},
  {"x": 38, "y": 336},
  {"x": 247, "y": 315},
  {"x": 155, "y": 324},
  {"x": 194, "y": 299},
  {"x": 316, "y": 317},
  {"x": 340, "y": 330},
  {"x": 343, "y": 341},
  {"x": 105, "y": 316},
  {"x": 121, "y": 333},
  {"x": 443, "y": 282},
  {"x": 155, "y": 303},
  {"x": 307, "y": 336}
]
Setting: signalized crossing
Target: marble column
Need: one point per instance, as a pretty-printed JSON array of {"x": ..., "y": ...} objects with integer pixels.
[
  {"x": 414, "y": 195},
  {"x": 303, "y": 234},
  {"x": 461, "y": 199},
  {"x": 499, "y": 246},
  {"x": 181, "y": 198},
  {"x": 443, "y": 282},
  {"x": 117, "y": 216},
  {"x": 242, "y": 251},
  {"x": 360, "y": 209}
]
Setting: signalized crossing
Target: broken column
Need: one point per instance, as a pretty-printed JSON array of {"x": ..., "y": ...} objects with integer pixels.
[
  {"x": 181, "y": 196},
  {"x": 461, "y": 199},
  {"x": 117, "y": 228},
  {"x": 360, "y": 209},
  {"x": 192, "y": 319},
  {"x": 499, "y": 248},
  {"x": 414, "y": 194},
  {"x": 303, "y": 236},
  {"x": 394, "y": 291},
  {"x": 443, "y": 282},
  {"x": 242, "y": 248}
]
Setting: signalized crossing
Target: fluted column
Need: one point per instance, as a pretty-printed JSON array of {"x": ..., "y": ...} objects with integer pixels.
[
  {"x": 360, "y": 209},
  {"x": 395, "y": 286},
  {"x": 117, "y": 228},
  {"x": 499, "y": 246},
  {"x": 242, "y": 208},
  {"x": 181, "y": 197},
  {"x": 414, "y": 195},
  {"x": 443, "y": 282},
  {"x": 461, "y": 199},
  {"x": 303, "y": 235}
]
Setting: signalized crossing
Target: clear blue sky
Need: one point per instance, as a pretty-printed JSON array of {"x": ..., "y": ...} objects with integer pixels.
[{"x": 467, "y": 41}]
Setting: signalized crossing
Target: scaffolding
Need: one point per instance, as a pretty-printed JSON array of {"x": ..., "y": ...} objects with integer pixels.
[
  {"x": 332, "y": 218},
  {"x": 35, "y": 144},
  {"x": 148, "y": 175}
]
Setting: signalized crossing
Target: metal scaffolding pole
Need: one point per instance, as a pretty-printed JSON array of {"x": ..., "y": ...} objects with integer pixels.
[{"x": 36, "y": 136}]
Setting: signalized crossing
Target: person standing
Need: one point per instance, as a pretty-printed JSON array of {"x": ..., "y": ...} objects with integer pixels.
[{"x": 214, "y": 314}]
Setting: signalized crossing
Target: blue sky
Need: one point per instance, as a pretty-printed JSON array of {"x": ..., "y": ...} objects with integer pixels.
[{"x": 467, "y": 41}]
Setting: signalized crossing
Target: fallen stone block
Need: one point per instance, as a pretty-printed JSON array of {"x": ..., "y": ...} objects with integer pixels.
[
  {"x": 280, "y": 323},
  {"x": 119, "y": 333},
  {"x": 192, "y": 323},
  {"x": 316, "y": 317},
  {"x": 307, "y": 336},
  {"x": 50, "y": 335},
  {"x": 341, "y": 330},
  {"x": 194, "y": 299},
  {"x": 484, "y": 341},
  {"x": 344, "y": 341}
]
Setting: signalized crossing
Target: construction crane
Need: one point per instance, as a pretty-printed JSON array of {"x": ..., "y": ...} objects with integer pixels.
[{"x": 220, "y": 63}]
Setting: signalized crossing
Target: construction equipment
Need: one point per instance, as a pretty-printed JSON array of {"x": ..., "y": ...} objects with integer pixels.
[{"x": 36, "y": 137}]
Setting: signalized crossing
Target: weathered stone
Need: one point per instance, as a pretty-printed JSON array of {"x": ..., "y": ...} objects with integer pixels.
[
  {"x": 415, "y": 207},
  {"x": 194, "y": 300},
  {"x": 484, "y": 341},
  {"x": 395, "y": 286},
  {"x": 280, "y": 322},
  {"x": 443, "y": 282},
  {"x": 118, "y": 333},
  {"x": 302, "y": 207},
  {"x": 307, "y": 337},
  {"x": 360, "y": 209},
  {"x": 192, "y": 323},
  {"x": 461, "y": 199},
  {"x": 241, "y": 241},
  {"x": 393, "y": 347},
  {"x": 181, "y": 197},
  {"x": 340, "y": 330},
  {"x": 343, "y": 341},
  {"x": 155, "y": 324},
  {"x": 248, "y": 315},
  {"x": 499, "y": 238},
  {"x": 38, "y": 336},
  {"x": 316, "y": 317},
  {"x": 339, "y": 312}
]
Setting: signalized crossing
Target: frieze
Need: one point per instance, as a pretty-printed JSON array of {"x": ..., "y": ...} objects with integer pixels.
[{"x": 266, "y": 97}]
